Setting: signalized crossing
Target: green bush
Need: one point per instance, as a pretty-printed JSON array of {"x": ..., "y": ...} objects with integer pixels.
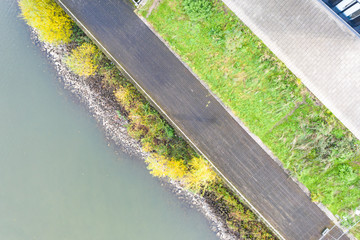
[{"x": 198, "y": 9}]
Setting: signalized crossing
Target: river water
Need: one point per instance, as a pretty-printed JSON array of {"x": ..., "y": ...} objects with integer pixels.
[{"x": 59, "y": 180}]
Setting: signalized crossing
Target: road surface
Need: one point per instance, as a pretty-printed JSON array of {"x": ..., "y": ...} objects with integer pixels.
[{"x": 189, "y": 106}]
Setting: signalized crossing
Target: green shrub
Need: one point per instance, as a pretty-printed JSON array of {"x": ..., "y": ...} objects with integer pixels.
[
  {"x": 149, "y": 127},
  {"x": 78, "y": 36},
  {"x": 198, "y": 9},
  {"x": 48, "y": 18}
]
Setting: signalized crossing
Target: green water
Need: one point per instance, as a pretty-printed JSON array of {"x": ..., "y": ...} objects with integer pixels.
[{"x": 58, "y": 178}]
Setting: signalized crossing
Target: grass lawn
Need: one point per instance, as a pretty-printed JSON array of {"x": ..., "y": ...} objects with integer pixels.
[{"x": 267, "y": 97}]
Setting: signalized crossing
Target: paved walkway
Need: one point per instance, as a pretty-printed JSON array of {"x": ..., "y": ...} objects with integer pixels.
[
  {"x": 193, "y": 111},
  {"x": 317, "y": 47}
]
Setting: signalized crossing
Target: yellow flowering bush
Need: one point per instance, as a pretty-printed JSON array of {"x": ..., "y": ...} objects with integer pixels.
[{"x": 48, "y": 18}]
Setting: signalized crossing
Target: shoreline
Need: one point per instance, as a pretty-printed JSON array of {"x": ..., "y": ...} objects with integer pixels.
[{"x": 102, "y": 107}]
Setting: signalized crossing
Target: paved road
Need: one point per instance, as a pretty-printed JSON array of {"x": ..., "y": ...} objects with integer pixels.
[
  {"x": 200, "y": 117},
  {"x": 316, "y": 45}
]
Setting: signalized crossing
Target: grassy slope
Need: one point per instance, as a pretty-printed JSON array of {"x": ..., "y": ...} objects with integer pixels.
[{"x": 269, "y": 99}]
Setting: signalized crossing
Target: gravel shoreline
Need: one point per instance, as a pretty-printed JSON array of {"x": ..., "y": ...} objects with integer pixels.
[{"x": 103, "y": 107}]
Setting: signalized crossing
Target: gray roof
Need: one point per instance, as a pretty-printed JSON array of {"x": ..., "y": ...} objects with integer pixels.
[{"x": 316, "y": 45}]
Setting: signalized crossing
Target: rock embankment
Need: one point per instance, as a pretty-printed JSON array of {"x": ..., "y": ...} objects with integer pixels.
[{"x": 101, "y": 103}]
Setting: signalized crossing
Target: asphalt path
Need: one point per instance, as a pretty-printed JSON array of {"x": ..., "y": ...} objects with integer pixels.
[{"x": 189, "y": 106}]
